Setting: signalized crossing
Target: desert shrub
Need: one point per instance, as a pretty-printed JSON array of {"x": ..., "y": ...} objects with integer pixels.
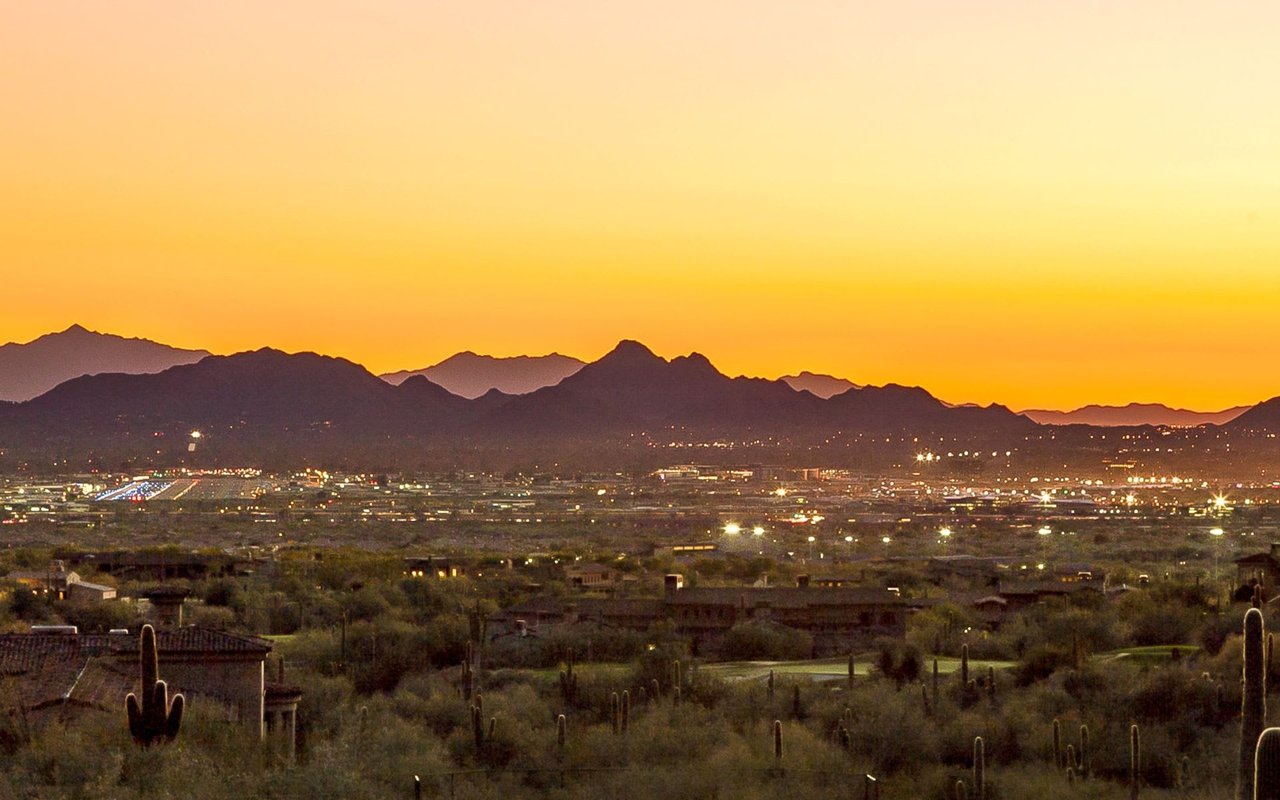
[{"x": 763, "y": 641}]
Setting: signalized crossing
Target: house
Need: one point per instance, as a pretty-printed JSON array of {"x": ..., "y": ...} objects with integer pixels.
[
  {"x": 1025, "y": 593},
  {"x": 433, "y": 567},
  {"x": 58, "y": 673},
  {"x": 62, "y": 583},
  {"x": 1262, "y": 568},
  {"x": 838, "y": 619},
  {"x": 53, "y": 580},
  {"x": 162, "y": 565},
  {"x": 589, "y": 576},
  {"x": 90, "y": 592}
]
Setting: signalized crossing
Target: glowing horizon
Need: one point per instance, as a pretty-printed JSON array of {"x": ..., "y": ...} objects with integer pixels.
[{"x": 1043, "y": 205}]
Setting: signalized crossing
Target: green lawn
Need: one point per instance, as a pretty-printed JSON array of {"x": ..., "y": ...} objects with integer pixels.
[
  {"x": 1147, "y": 655},
  {"x": 828, "y": 669}
]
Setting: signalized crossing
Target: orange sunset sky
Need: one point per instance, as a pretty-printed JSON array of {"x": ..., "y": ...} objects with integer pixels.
[{"x": 1042, "y": 204}]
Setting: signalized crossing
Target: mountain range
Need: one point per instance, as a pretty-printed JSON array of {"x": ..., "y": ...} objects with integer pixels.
[
  {"x": 32, "y": 368},
  {"x": 1135, "y": 414},
  {"x": 471, "y": 375},
  {"x": 141, "y": 400},
  {"x": 293, "y": 408}
]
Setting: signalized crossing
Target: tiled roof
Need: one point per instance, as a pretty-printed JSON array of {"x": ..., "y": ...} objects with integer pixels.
[
  {"x": 54, "y": 670},
  {"x": 97, "y": 587},
  {"x": 783, "y": 598},
  {"x": 18, "y": 651},
  {"x": 620, "y": 606},
  {"x": 1257, "y": 558},
  {"x": 1040, "y": 587}
]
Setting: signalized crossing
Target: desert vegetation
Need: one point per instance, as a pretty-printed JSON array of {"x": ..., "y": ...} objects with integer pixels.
[{"x": 1088, "y": 697}]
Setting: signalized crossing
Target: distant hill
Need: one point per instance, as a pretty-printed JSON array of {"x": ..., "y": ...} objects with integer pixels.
[
  {"x": 632, "y": 390},
  {"x": 824, "y": 386},
  {"x": 1265, "y": 416},
  {"x": 1135, "y": 414},
  {"x": 472, "y": 375},
  {"x": 30, "y": 369},
  {"x": 269, "y": 407},
  {"x": 261, "y": 403}
]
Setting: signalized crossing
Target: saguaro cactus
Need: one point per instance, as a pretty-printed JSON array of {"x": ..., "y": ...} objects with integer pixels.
[
  {"x": 1057, "y": 744},
  {"x": 156, "y": 716},
  {"x": 777, "y": 741},
  {"x": 979, "y": 769},
  {"x": 935, "y": 683},
  {"x": 561, "y": 734},
  {"x": 851, "y": 671},
  {"x": 770, "y": 684},
  {"x": 477, "y": 726},
  {"x": 568, "y": 682},
  {"x": 467, "y": 679},
  {"x": 1266, "y": 767},
  {"x": 1084, "y": 751},
  {"x": 626, "y": 710},
  {"x": 1135, "y": 761},
  {"x": 964, "y": 665},
  {"x": 1254, "y": 704}
]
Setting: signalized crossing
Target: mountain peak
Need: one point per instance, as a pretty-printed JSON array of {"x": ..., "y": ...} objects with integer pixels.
[
  {"x": 470, "y": 374},
  {"x": 629, "y": 348},
  {"x": 29, "y": 369},
  {"x": 824, "y": 386}
]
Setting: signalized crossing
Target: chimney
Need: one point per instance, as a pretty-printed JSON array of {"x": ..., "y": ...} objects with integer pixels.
[
  {"x": 673, "y": 583},
  {"x": 167, "y": 602},
  {"x": 802, "y": 581}
]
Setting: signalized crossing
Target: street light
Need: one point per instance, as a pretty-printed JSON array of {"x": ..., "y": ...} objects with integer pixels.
[
  {"x": 733, "y": 529},
  {"x": 1217, "y": 534}
]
